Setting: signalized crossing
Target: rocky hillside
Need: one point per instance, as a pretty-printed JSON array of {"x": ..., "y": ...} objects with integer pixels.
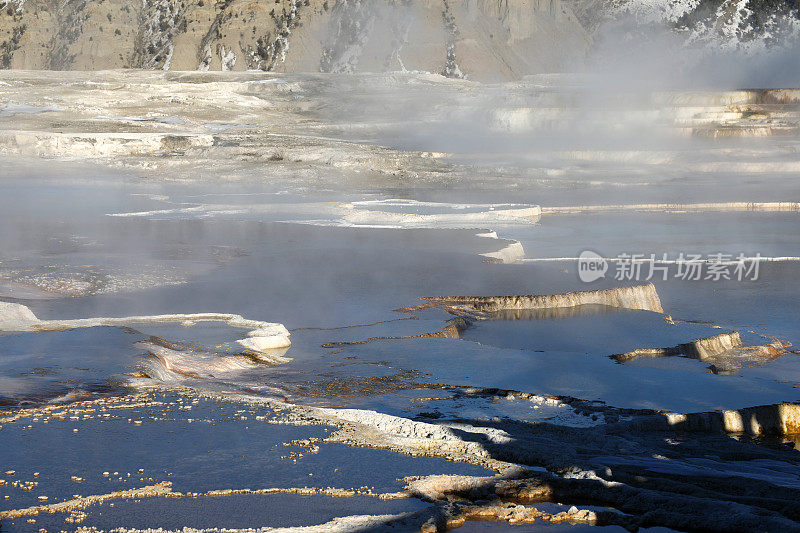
[
  {"x": 724, "y": 23},
  {"x": 479, "y": 39},
  {"x": 500, "y": 39}
]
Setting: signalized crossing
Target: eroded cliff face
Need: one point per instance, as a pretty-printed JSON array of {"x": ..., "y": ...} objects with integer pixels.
[{"x": 481, "y": 40}]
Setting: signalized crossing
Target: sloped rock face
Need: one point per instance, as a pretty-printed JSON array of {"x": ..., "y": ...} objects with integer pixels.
[
  {"x": 725, "y": 352},
  {"x": 702, "y": 349},
  {"x": 730, "y": 23},
  {"x": 642, "y": 297},
  {"x": 707, "y": 348},
  {"x": 778, "y": 419},
  {"x": 481, "y": 40},
  {"x": 735, "y": 23}
]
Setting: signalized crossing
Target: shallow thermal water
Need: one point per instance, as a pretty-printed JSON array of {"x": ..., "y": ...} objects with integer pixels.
[
  {"x": 381, "y": 389},
  {"x": 336, "y": 289}
]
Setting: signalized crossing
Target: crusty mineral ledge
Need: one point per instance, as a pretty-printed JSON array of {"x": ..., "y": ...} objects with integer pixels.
[
  {"x": 698, "y": 207},
  {"x": 452, "y": 330},
  {"x": 262, "y": 335},
  {"x": 725, "y": 352},
  {"x": 684, "y": 507},
  {"x": 642, "y": 297},
  {"x": 639, "y": 468},
  {"x": 776, "y": 419},
  {"x": 159, "y": 489}
]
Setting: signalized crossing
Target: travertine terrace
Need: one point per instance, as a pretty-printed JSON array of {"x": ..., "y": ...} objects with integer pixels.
[
  {"x": 642, "y": 297},
  {"x": 317, "y": 265}
]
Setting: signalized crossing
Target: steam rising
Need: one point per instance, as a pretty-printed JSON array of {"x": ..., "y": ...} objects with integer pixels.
[{"x": 632, "y": 55}]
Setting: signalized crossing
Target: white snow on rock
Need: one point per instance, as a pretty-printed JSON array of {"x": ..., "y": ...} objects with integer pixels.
[{"x": 654, "y": 10}]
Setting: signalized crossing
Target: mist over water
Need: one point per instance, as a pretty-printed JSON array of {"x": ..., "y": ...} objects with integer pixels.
[
  {"x": 278, "y": 291},
  {"x": 631, "y": 56}
]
